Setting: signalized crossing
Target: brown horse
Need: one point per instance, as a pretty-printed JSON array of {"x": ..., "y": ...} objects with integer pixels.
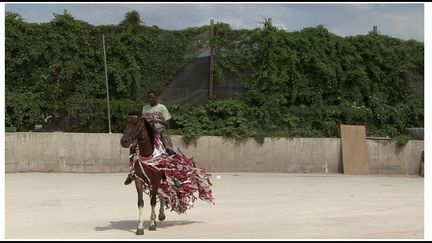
[{"x": 139, "y": 132}]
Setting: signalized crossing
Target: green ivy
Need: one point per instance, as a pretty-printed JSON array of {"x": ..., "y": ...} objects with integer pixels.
[
  {"x": 62, "y": 61},
  {"x": 296, "y": 84}
]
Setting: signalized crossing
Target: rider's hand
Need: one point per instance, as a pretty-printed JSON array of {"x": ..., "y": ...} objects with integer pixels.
[{"x": 157, "y": 120}]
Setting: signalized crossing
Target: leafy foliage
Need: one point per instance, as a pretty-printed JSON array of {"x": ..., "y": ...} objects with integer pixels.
[
  {"x": 62, "y": 61},
  {"x": 297, "y": 84},
  {"x": 307, "y": 83}
]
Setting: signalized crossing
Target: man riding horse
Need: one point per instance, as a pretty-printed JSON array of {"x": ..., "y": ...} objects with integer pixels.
[
  {"x": 157, "y": 115},
  {"x": 174, "y": 179}
]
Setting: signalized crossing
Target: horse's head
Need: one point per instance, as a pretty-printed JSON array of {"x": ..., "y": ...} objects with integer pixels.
[{"x": 133, "y": 127}]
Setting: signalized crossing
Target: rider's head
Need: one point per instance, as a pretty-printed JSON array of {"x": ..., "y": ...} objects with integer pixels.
[{"x": 152, "y": 97}]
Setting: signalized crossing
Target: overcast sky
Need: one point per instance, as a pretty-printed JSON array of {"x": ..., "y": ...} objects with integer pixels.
[{"x": 400, "y": 20}]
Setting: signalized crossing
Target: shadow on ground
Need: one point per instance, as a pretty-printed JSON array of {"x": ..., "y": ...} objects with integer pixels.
[{"x": 131, "y": 225}]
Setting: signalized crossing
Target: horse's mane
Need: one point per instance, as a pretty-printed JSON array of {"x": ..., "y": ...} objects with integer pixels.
[{"x": 150, "y": 129}]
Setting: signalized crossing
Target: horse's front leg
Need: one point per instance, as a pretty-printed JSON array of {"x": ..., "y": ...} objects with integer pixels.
[
  {"x": 153, "y": 195},
  {"x": 139, "y": 187}
]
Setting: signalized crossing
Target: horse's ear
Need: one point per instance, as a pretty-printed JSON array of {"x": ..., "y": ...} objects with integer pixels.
[
  {"x": 138, "y": 112},
  {"x": 135, "y": 112}
]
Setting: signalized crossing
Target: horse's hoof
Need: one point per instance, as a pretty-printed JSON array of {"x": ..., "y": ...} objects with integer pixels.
[
  {"x": 152, "y": 228},
  {"x": 161, "y": 217},
  {"x": 139, "y": 232}
]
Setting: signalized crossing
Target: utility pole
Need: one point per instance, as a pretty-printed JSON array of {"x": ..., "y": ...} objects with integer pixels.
[
  {"x": 210, "y": 94},
  {"x": 106, "y": 82}
]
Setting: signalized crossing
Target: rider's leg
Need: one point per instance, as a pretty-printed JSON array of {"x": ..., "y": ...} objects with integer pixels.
[
  {"x": 131, "y": 176},
  {"x": 166, "y": 140}
]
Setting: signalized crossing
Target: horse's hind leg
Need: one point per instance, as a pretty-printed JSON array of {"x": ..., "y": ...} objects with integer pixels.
[
  {"x": 139, "y": 187},
  {"x": 162, "y": 208}
]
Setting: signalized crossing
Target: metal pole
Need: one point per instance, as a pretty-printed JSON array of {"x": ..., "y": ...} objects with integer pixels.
[
  {"x": 106, "y": 82},
  {"x": 210, "y": 94}
]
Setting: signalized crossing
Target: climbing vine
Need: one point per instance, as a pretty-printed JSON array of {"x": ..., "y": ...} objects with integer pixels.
[
  {"x": 295, "y": 84},
  {"x": 307, "y": 83}
]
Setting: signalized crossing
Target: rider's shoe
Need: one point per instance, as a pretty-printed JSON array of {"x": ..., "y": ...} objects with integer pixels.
[{"x": 129, "y": 179}]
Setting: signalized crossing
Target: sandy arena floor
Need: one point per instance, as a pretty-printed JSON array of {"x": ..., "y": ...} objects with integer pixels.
[{"x": 248, "y": 206}]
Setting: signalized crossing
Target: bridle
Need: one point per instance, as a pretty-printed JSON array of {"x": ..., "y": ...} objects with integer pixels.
[{"x": 132, "y": 135}]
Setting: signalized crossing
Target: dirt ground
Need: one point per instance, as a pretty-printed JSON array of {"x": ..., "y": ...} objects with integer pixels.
[{"x": 248, "y": 206}]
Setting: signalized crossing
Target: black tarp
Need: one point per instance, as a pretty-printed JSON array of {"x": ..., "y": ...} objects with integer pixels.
[{"x": 191, "y": 85}]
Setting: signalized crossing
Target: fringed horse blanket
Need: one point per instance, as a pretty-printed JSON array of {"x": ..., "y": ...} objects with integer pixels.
[{"x": 183, "y": 178}]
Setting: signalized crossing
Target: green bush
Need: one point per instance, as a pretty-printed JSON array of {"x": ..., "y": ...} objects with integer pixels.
[{"x": 296, "y": 84}]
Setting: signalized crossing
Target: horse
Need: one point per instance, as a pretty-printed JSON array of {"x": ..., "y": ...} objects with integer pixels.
[{"x": 139, "y": 132}]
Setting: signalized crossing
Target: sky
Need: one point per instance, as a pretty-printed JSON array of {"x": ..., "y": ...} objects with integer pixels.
[{"x": 400, "y": 20}]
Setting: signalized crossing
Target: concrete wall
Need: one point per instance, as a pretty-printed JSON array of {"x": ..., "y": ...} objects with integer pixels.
[{"x": 101, "y": 152}]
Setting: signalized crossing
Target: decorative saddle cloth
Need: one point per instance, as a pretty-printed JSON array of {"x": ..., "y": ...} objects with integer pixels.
[{"x": 183, "y": 178}]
